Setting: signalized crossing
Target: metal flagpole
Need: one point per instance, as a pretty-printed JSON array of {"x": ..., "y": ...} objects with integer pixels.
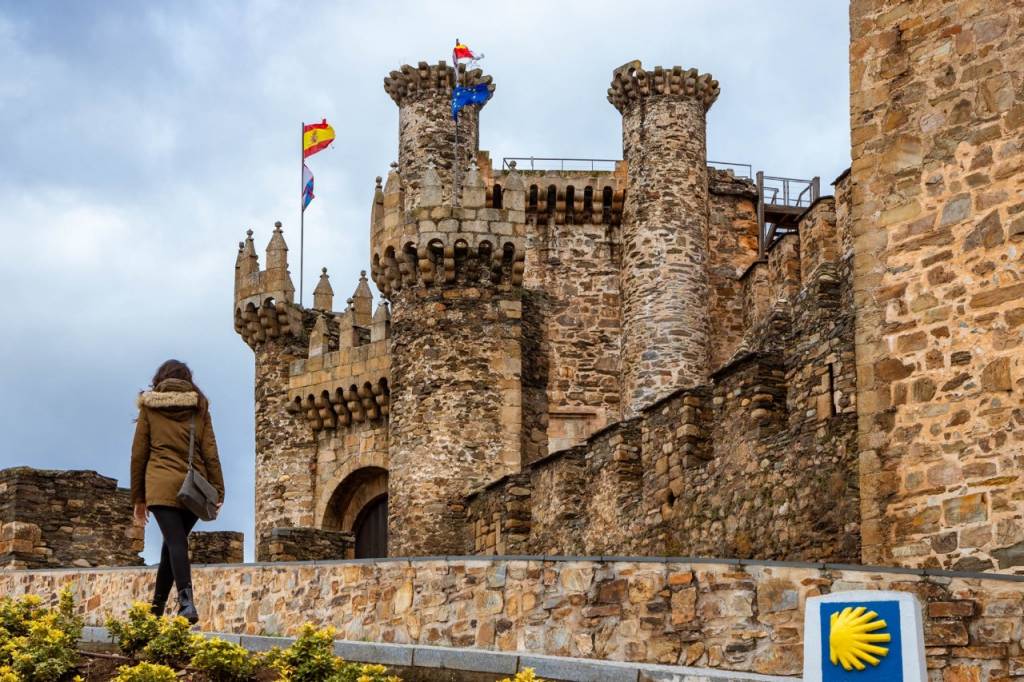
[
  {"x": 457, "y": 162},
  {"x": 302, "y": 208}
]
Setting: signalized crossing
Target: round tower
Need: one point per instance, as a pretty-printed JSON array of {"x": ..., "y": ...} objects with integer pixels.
[
  {"x": 665, "y": 325},
  {"x": 426, "y": 130},
  {"x": 453, "y": 276}
]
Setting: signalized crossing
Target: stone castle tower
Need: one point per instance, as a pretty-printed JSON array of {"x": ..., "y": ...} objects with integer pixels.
[{"x": 661, "y": 357}]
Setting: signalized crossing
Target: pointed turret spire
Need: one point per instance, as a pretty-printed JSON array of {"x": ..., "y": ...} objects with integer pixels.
[
  {"x": 362, "y": 302},
  {"x": 431, "y": 187},
  {"x": 473, "y": 192},
  {"x": 381, "y": 326},
  {"x": 249, "y": 262},
  {"x": 277, "y": 250},
  {"x": 323, "y": 295},
  {"x": 377, "y": 208},
  {"x": 513, "y": 195}
]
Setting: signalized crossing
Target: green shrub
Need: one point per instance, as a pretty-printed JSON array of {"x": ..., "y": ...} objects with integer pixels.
[
  {"x": 45, "y": 653},
  {"x": 38, "y": 644},
  {"x": 366, "y": 672},
  {"x": 145, "y": 672},
  {"x": 223, "y": 661},
  {"x": 16, "y": 614},
  {"x": 134, "y": 633},
  {"x": 309, "y": 659},
  {"x": 173, "y": 644}
]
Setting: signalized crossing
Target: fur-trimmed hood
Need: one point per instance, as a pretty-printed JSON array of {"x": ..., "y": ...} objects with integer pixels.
[{"x": 170, "y": 393}]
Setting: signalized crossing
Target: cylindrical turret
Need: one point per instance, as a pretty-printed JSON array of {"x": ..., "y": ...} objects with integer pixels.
[
  {"x": 665, "y": 326},
  {"x": 426, "y": 130},
  {"x": 454, "y": 278}
]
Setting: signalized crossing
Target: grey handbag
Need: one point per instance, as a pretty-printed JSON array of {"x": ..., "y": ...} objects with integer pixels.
[{"x": 196, "y": 494}]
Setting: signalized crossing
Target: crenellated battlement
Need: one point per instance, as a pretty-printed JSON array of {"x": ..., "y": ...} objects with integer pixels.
[
  {"x": 411, "y": 83},
  {"x": 567, "y": 197},
  {"x": 631, "y": 83},
  {"x": 433, "y": 245},
  {"x": 264, "y": 299}
]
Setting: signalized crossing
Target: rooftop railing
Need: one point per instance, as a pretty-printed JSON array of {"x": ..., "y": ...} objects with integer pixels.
[{"x": 564, "y": 163}]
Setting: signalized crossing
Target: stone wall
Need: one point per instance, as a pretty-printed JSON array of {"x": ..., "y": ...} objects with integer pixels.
[
  {"x": 216, "y": 547},
  {"x": 65, "y": 518},
  {"x": 307, "y": 544},
  {"x": 721, "y": 469},
  {"x": 937, "y": 114},
  {"x": 711, "y": 614},
  {"x": 732, "y": 248},
  {"x": 456, "y": 423},
  {"x": 573, "y": 268}
]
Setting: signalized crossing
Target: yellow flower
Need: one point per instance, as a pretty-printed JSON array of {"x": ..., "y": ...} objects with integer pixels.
[{"x": 853, "y": 636}]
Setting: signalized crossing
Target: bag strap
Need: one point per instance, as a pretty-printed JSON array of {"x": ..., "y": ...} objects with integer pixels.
[{"x": 191, "y": 440}]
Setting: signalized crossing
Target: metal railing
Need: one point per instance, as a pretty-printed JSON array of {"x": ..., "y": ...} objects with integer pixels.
[
  {"x": 740, "y": 170},
  {"x": 788, "y": 192},
  {"x": 561, "y": 161},
  {"x": 787, "y": 197}
]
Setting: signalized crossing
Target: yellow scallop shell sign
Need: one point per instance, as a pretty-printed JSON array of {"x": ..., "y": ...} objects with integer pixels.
[{"x": 855, "y": 636}]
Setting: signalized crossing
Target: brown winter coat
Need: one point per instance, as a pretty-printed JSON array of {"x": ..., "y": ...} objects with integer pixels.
[{"x": 160, "y": 448}]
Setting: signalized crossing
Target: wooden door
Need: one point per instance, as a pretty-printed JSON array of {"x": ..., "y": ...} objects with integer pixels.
[{"x": 371, "y": 530}]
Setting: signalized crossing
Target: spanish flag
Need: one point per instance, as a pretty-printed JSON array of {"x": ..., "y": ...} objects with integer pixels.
[
  {"x": 316, "y": 136},
  {"x": 461, "y": 52}
]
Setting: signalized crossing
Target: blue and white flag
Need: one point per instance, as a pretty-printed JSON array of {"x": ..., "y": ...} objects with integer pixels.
[
  {"x": 474, "y": 94},
  {"x": 307, "y": 186}
]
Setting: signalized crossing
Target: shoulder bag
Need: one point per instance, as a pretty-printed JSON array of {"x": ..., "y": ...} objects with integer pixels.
[{"x": 196, "y": 494}]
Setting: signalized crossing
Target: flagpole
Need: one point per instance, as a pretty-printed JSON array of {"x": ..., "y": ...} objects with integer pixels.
[
  {"x": 457, "y": 162},
  {"x": 302, "y": 208}
]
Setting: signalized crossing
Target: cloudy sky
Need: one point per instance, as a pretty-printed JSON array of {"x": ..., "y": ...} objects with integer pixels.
[{"x": 140, "y": 141}]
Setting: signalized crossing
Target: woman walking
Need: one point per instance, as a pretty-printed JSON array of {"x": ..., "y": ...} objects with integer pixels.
[{"x": 171, "y": 415}]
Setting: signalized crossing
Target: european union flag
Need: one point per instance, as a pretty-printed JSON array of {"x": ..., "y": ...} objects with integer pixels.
[{"x": 474, "y": 94}]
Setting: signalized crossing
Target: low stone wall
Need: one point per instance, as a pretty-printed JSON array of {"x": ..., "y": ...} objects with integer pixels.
[
  {"x": 216, "y": 547},
  {"x": 308, "y": 544},
  {"x": 65, "y": 518},
  {"x": 714, "y": 614}
]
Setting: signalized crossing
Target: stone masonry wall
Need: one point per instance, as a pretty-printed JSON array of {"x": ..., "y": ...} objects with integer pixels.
[
  {"x": 65, "y": 518},
  {"x": 732, "y": 248},
  {"x": 715, "y": 614},
  {"x": 307, "y": 544},
  {"x": 456, "y": 366},
  {"x": 937, "y": 118},
  {"x": 575, "y": 269},
  {"x": 722, "y": 469},
  {"x": 215, "y": 547},
  {"x": 285, "y": 448}
]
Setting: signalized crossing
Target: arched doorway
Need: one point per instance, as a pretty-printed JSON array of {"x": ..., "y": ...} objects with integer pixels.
[
  {"x": 371, "y": 529},
  {"x": 360, "y": 505}
]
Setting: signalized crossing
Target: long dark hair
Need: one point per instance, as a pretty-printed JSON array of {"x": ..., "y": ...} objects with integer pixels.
[{"x": 176, "y": 369}]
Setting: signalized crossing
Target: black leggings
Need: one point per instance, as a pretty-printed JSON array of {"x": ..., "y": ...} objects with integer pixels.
[{"x": 175, "y": 524}]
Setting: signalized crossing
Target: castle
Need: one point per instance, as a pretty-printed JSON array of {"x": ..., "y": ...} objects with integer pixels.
[{"x": 664, "y": 358}]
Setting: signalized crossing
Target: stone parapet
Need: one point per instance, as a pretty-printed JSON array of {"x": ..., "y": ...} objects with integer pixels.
[
  {"x": 65, "y": 518},
  {"x": 216, "y": 547},
  {"x": 722, "y": 615},
  {"x": 307, "y": 544},
  {"x": 409, "y": 83},
  {"x": 433, "y": 245},
  {"x": 632, "y": 83}
]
